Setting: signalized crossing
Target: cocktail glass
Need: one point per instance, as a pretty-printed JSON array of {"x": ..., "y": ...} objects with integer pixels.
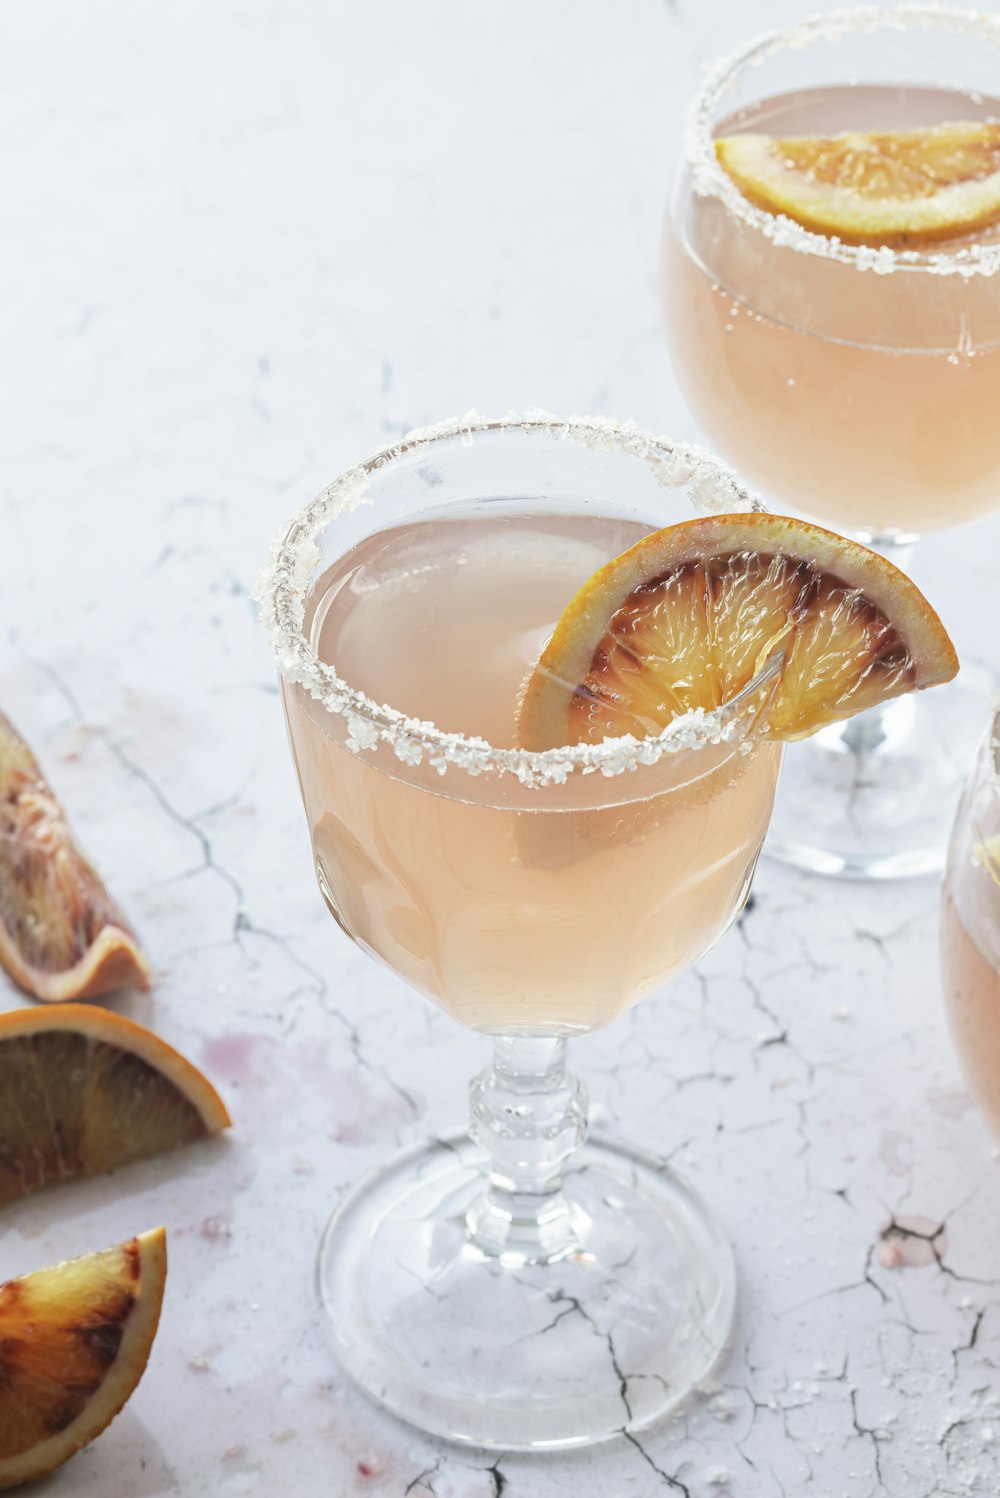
[
  {"x": 514, "y": 1287},
  {"x": 858, "y": 386},
  {"x": 970, "y": 928}
]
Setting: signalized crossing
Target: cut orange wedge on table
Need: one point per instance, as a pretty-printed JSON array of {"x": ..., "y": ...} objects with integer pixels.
[
  {"x": 74, "y": 1342},
  {"x": 687, "y": 618},
  {"x": 61, "y": 935},
  {"x": 83, "y": 1091},
  {"x": 897, "y": 188}
]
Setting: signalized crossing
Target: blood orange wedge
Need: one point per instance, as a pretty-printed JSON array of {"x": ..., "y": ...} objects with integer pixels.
[
  {"x": 74, "y": 1342},
  {"x": 898, "y": 187},
  {"x": 61, "y": 934},
  {"x": 687, "y": 617},
  {"x": 83, "y": 1091}
]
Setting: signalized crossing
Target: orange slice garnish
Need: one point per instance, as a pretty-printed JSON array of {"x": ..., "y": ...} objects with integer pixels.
[
  {"x": 83, "y": 1090},
  {"x": 687, "y": 617},
  {"x": 896, "y": 187},
  {"x": 74, "y": 1342},
  {"x": 61, "y": 934}
]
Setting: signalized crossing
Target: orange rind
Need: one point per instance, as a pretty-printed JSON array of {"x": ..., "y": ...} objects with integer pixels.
[
  {"x": 689, "y": 616},
  {"x": 84, "y": 1090},
  {"x": 900, "y": 188},
  {"x": 74, "y": 1343},
  {"x": 61, "y": 935}
]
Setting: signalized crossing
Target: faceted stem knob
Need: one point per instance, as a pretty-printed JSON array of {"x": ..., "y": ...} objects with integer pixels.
[{"x": 530, "y": 1116}]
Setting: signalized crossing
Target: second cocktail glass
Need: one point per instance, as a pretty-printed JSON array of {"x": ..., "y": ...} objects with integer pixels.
[
  {"x": 517, "y": 1288},
  {"x": 970, "y": 928},
  {"x": 857, "y": 385}
]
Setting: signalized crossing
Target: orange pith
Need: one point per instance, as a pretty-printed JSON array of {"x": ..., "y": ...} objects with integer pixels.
[
  {"x": 61, "y": 934},
  {"x": 689, "y": 616},
  {"x": 74, "y": 1342},
  {"x": 83, "y": 1090},
  {"x": 896, "y": 188}
]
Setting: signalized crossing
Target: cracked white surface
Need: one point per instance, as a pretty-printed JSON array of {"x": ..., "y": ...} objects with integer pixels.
[{"x": 249, "y": 246}]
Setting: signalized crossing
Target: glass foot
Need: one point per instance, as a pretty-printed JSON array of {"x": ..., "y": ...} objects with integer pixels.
[
  {"x": 501, "y": 1353},
  {"x": 875, "y": 798}
]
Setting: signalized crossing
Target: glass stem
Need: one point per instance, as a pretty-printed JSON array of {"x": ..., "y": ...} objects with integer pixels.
[
  {"x": 529, "y": 1115},
  {"x": 871, "y": 731}
]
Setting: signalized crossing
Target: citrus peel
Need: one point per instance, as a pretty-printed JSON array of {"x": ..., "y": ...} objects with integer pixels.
[
  {"x": 84, "y": 1090},
  {"x": 61, "y": 935},
  {"x": 74, "y": 1342},
  {"x": 688, "y": 617},
  {"x": 898, "y": 188}
]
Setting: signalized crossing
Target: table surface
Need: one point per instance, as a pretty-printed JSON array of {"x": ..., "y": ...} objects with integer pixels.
[{"x": 247, "y": 243}]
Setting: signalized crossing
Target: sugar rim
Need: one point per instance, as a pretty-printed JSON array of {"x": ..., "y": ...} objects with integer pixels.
[
  {"x": 282, "y": 588},
  {"x": 710, "y": 180}
]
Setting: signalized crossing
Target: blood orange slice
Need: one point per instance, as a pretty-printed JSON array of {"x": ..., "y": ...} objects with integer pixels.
[
  {"x": 74, "y": 1342},
  {"x": 687, "y": 617},
  {"x": 83, "y": 1090},
  {"x": 61, "y": 934},
  {"x": 893, "y": 187}
]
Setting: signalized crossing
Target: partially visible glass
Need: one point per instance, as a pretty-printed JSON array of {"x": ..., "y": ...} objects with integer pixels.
[
  {"x": 513, "y": 1288},
  {"x": 854, "y": 384},
  {"x": 970, "y": 929}
]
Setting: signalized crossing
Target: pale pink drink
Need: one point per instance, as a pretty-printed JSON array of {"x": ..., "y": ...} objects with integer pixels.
[
  {"x": 534, "y": 895},
  {"x": 856, "y": 384},
  {"x": 866, "y": 401},
  {"x": 970, "y": 934},
  {"x": 521, "y": 911}
]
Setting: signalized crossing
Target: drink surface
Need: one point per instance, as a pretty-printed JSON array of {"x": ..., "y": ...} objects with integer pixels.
[
  {"x": 521, "y": 910},
  {"x": 444, "y": 617},
  {"x": 862, "y": 400}
]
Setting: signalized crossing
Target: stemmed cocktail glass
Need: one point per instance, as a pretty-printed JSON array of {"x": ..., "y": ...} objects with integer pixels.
[
  {"x": 858, "y": 385},
  {"x": 516, "y": 1287}
]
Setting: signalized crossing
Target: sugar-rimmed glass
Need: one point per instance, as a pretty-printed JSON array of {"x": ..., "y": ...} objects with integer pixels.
[
  {"x": 516, "y": 1287},
  {"x": 856, "y": 385},
  {"x": 970, "y": 928}
]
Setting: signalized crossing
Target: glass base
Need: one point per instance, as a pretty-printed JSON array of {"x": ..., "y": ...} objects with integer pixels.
[
  {"x": 875, "y": 798},
  {"x": 500, "y": 1353}
]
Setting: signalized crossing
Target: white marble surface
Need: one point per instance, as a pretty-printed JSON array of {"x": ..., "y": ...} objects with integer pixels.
[{"x": 245, "y": 243}]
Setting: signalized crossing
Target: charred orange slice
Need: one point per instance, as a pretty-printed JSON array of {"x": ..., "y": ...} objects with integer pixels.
[
  {"x": 74, "y": 1343},
  {"x": 61, "y": 934},
  {"x": 687, "y": 617},
  {"x": 897, "y": 187},
  {"x": 83, "y": 1090}
]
